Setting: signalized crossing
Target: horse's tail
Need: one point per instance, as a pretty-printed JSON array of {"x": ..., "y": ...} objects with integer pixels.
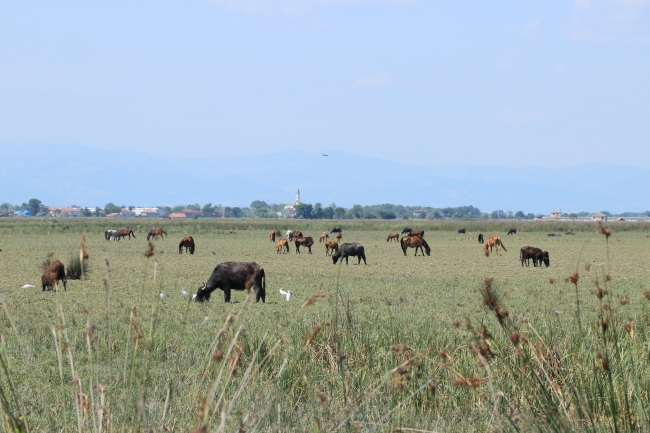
[
  {"x": 263, "y": 279},
  {"x": 133, "y": 234},
  {"x": 502, "y": 246},
  {"x": 402, "y": 242}
]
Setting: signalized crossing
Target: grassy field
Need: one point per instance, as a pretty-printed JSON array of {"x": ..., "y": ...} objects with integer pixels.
[{"x": 423, "y": 343}]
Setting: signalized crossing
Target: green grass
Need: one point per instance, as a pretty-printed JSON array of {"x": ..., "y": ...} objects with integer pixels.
[{"x": 174, "y": 365}]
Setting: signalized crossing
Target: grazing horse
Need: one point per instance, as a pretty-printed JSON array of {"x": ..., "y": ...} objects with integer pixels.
[
  {"x": 127, "y": 232},
  {"x": 417, "y": 233},
  {"x": 305, "y": 242},
  {"x": 323, "y": 237},
  {"x": 393, "y": 237},
  {"x": 115, "y": 234},
  {"x": 331, "y": 247},
  {"x": 512, "y": 232},
  {"x": 339, "y": 236},
  {"x": 297, "y": 234},
  {"x": 188, "y": 243},
  {"x": 272, "y": 235},
  {"x": 493, "y": 242},
  {"x": 282, "y": 246},
  {"x": 415, "y": 242},
  {"x": 480, "y": 238},
  {"x": 155, "y": 233},
  {"x": 461, "y": 231},
  {"x": 53, "y": 273}
]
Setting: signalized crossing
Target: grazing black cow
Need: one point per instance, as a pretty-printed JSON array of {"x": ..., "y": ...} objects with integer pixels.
[
  {"x": 570, "y": 234},
  {"x": 554, "y": 234},
  {"x": 512, "y": 232},
  {"x": 461, "y": 231},
  {"x": 336, "y": 230},
  {"x": 536, "y": 254},
  {"x": 229, "y": 276},
  {"x": 347, "y": 250},
  {"x": 480, "y": 238},
  {"x": 407, "y": 230}
]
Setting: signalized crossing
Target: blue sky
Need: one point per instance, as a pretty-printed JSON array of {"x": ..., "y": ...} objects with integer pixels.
[{"x": 437, "y": 82}]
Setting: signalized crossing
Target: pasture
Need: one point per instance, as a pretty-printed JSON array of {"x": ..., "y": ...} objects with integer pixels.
[{"x": 402, "y": 343}]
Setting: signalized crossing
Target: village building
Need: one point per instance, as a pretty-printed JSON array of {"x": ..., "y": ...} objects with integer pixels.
[
  {"x": 599, "y": 217},
  {"x": 177, "y": 215},
  {"x": 70, "y": 211},
  {"x": 556, "y": 213},
  {"x": 289, "y": 210}
]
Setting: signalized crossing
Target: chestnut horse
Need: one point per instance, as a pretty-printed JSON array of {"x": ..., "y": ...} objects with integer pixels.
[
  {"x": 339, "y": 236},
  {"x": 417, "y": 233},
  {"x": 305, "y": 242},
  {"x": 282, "y": 246},
  {"x": 188, "y": 243},
  {"x": 393, "y": 236},
  {"x": 493, "y": 242},
  {"x": 128, "y": 232},
  {"x": 295, "y": 235},
  {"x": 323, "y": 237},
  {"x": 415, "y": 242},
  {"x": 331, "y": 247},
  {"x": 272, "y": 235},
  {"x": 155, "y": 233}
]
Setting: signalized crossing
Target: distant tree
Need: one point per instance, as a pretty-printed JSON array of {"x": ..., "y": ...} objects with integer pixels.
[
  {"x": 498, "y": 214},
  {"x": 339, "y": 213},
  {"x": 369, "y": 215},
  {"x": 573, "y": 216},
  {"x": 6, "y": 208},
  {"x": 227, "y": 212},
  {"x": 86, "y": 212},
  {"x": 33, "y": 206},
  {"x": 509, "y": 214},
  {"x": 111, "y": 208},
  {"x": 304, "y": 211},
  {"x": 356, "y": 211},
  {"x": 530, "y": 216},
  {"x": 259, "y": 207},
  {"x": 207, "y": 210},
  {"x": 437, "y": 214},
  {"x": 237, "y": 212},
  {"x": 328, "y": 213},
  {"x": 647, "y": 213},
  {"x": 448, "y": 212},
  {"x": 131, "y": 207},
  {"x": 604, "y": 213},
  {"x": 386, "y": 215},
  {"x": 317, "y": 213},
  {"x": 520, "y": 215}
]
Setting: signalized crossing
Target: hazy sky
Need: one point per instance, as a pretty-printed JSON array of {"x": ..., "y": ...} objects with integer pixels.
[{"x": 440, "y": 82}]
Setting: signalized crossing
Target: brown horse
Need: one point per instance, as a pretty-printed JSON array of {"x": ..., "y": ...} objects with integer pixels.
[
  {"x": 188, "y": 243},
  {"x": 53, "y": 273},
  {"x": 305, "y": 242},
  {"x": 339, "y": 236},
  {"x": 331, "y": 247},
  {"x": 272, "y": 235},
  {"x": 493, "y": 242},
  {"x": 282, "y": 246},
  {"x": 155, "y": 233},
  {"x": 323, "y": 237},
  {"x": 393, "y": 237},
  {"x": 417, "y": 233},
  {"x": 128, "y": 232},
  {"x": 415, "y": 242},
  {"x": 295, "y": 235}
]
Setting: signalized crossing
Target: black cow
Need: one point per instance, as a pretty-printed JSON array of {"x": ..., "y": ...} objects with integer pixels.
[
  {"x": 536, "y": 254},
  {"x": 336, "y": 230},
  {"x": 570, "y": 234},
  {"x": 480, "y": 238},
  {"x": 234, "y": 276},
  {"x": 352, "y": 249},
  {"x": 512, "y": 231},
  {"x": 554, "y": 234},
  {"x": 461, "y": 231},
  {"x": 407, "y": 230}
]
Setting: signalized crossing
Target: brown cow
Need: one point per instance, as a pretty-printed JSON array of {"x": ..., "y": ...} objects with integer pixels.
[
  {"x": 493, "y": 242},
  {"x": 331, "y": 247},
  {"x": 188, "y": 243},
  {"x": 272, "y": 235},
  {"x": 53, "y": 273},
  {"x": 305, "y": 242},
  {"x": 393, "y": 236},
  {"x": 415, "y": 242},
  {"x": 417, "y": 233},
  {"x": 128, "y": 232},
  {"x": 323, "y": 237},
  {"x": 283, "y": 246}
]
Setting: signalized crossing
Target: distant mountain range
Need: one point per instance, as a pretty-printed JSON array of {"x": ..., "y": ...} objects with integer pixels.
[{"x": 74, "y": 174}]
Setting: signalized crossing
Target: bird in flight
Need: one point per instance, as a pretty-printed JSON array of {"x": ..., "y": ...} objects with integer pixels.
[{"x": 324, "y": 154}]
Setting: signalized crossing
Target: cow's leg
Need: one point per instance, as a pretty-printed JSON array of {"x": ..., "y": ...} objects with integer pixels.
[{"x": 226, "y": 294}]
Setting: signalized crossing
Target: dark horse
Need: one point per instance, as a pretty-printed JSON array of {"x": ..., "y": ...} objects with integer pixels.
[
  {"x": 512, "y": 231},
  {"x": 188, "y": 243},
  {"x": 415, "y": 242},
  {"x": 480, "y": 238},
  {"x": 155, "y": 233}
]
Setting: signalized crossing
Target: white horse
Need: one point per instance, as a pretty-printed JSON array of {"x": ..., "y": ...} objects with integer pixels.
[
  {"x": 289, "y": 233},
  {"x": 115, "y": 234}
]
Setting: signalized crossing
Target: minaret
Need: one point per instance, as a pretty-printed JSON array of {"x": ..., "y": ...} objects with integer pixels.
[{"x": 298, "y": 196}]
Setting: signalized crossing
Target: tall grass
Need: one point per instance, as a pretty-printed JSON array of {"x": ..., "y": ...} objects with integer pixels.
[{"x": 327, "y": 368}]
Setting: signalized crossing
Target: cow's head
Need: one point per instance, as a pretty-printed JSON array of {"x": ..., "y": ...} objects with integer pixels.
[
  {"x": 336, "y": 256},
  {"x": 203, "y": 294}
]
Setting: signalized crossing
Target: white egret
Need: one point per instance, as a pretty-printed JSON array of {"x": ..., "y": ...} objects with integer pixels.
[{"x": 286, "y": 294}]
